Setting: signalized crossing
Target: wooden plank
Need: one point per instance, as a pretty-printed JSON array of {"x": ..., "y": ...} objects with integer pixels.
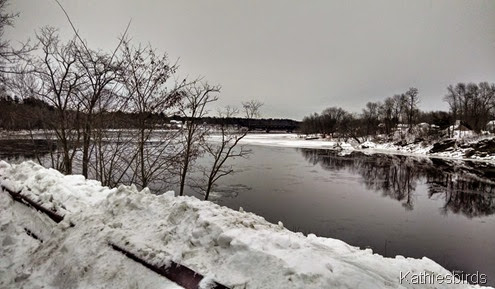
[
  {"x": 33, "y": 235},
  {"x": 177, "y": 273},
  {"x": 17, "y": 196}
]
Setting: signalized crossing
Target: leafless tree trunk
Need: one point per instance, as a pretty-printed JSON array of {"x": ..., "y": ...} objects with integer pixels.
[
  {"x": 100, "y": 72},
  {"x": 10, "y": 56},
  {"x": 192, "y": 109},
  {"x": 412, "y": 106},
  {"x": 252, "y": 110},
  {"x": 472, "y": 104},
  {"x": 223, "y": 150},
  {"x": 111, "y": 152},
  {"x": 370, "y": 116},
  {"x": 150, "y": 89},
  {"x": 59, "y": 83}
]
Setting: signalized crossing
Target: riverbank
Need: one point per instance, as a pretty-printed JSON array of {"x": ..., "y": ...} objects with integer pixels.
[
  {"x": 470, "y": 148},
  {"x": 447, "y": 149},
  {"x": 235, "y": 248}
]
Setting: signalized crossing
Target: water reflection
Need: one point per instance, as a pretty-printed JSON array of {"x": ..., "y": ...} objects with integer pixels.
[
  {"x": 24, "y": 149},
  {"x": 465, "y": 187}
]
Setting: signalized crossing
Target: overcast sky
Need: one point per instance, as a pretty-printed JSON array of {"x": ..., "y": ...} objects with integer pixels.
[{"x": 297, "y": 57}]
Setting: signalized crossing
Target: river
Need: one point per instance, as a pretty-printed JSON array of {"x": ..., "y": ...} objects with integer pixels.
[{"x": 395, "y": 205}]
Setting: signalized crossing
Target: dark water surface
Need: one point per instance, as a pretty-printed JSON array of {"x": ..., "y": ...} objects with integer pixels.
[{"x": 396, "y": 205}]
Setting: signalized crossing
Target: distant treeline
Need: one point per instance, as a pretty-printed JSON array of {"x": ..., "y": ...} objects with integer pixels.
[
  {"x": 33, "y": 113},
  {"x": 472, "y": 105},
  {"x": 264, "y": 124}
]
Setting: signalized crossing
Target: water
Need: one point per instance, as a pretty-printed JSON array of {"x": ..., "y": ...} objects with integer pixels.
[{"x": 395, "y": 205}]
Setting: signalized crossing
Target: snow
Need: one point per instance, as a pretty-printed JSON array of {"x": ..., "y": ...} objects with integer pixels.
[
  {"x": 283, "y": 140},
  {"x": 236, "y": 248},
  {"x": 412, "y": 149}
]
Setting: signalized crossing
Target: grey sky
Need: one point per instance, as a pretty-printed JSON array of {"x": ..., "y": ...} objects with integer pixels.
[{"x": 297, "y": 57}]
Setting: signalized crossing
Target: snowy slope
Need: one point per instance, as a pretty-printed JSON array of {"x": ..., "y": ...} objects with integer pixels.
[{"x": 237, "y": 249}]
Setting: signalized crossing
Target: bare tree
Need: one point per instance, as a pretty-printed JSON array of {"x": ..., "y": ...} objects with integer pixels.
[
  {"x": 311, "y": 124},
  {"x": 9, "y": 56},
  {"x": 473, "y": 104},
  {"x": 100, "y": 72},
  {"x": 252, "y": 110},
  {"x": 192, "y": 109},
  {"x": 150, "y": 89},
  {"x": 348, "y": 126},
  {"x": 59, "y": 83},
  {"x": 412, "y": 101},
  {"x": 486, "y": 104},
  {"x": 6, "y": 19},
  {"x": 223, "y": 150},
  {"x": 330, "y": 120},
  {"x": 112, "y": 146},
  {"x": 370, "y": 116},
  {"x": 386, "y": 111}
]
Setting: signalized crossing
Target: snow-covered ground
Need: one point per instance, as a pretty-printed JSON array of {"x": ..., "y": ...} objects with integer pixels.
[
  {"x": 289, "y": 140},
  {"x": 236, "y": 248},
  {"x": 294, "y": 140}
]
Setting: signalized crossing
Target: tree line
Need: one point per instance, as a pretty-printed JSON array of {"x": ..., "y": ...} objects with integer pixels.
[
  {"x": 472, "y": 104},
  {"x": 32, "y": 113}
]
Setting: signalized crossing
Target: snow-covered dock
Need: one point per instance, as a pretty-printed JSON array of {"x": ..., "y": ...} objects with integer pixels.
[{"x": 235, "y": 248}]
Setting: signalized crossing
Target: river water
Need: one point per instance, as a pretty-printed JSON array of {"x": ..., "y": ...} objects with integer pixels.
[{"x": 395, "y": 205}]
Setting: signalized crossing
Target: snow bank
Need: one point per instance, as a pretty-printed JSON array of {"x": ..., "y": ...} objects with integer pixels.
[
  {"x": 413, "y": 149},
  {"x": 283, "y": 140},
  {"x": 237, "y": 249}
]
